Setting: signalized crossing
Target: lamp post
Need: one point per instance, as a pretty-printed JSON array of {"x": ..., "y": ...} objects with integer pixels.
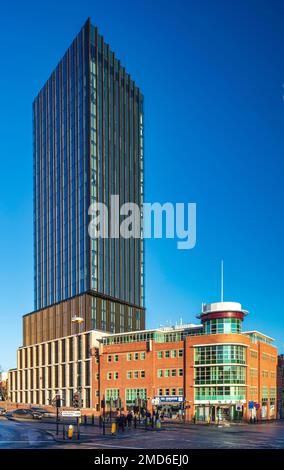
[{"x": 77, "y": 320}]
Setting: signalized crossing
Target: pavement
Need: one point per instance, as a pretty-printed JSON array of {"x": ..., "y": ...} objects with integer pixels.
[{"x": 40, "y": 435}]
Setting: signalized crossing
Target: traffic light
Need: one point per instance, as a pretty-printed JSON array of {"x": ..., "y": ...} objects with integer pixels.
[
  {"x": 57, "y": 401},
  {"x": 76, "y": 400}
]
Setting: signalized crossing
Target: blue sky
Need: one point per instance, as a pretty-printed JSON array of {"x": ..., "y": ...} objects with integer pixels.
[{"x": 212, "y": 73}]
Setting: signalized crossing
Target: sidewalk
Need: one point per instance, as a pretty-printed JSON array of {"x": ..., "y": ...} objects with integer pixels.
[{"x": 89, "y": 433}]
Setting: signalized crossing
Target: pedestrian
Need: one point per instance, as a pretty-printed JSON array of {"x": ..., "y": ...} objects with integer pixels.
[{"x": 129, "y": 419}]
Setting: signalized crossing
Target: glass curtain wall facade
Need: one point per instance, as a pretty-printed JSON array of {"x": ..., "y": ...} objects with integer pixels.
[{"x": 88, "y": 122}]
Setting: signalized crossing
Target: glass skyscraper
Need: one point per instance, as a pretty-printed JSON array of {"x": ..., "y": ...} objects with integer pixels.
[{"x": 88, "y": 123}]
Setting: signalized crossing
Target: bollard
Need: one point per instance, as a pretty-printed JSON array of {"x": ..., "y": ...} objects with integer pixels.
[
  {"x": 85, "y": 419},
  {"x": 113, "y": 429},
  {"x": 158, "y": 424},
  {"x": 93, "y": 420},
  {"x": 70, "y": 431}
]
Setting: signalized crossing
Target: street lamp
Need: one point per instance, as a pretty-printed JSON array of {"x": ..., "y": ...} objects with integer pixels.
[{"x": 77, "y": 320}]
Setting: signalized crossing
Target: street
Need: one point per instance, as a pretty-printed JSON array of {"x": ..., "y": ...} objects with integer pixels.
[{"x": 37, "y": 435}]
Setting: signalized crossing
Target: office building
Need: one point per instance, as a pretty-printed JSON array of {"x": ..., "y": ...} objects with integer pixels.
[
  {"x": 88, "y": 122},
  {"x": 212, "y": 369}
]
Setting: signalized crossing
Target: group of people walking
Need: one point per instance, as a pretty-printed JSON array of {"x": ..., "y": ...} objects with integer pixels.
[{"x": 132, "y": 419}]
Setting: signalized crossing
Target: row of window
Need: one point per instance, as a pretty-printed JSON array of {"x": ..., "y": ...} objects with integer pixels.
[
  {"x": 172, "y": 353},
  {"x": 267, "y": 357},
  {"x": 221, "y": 354},
  {"x": 55, "y": 352},
  {"x": 223, "y": 325},
  {"x": 52, "y": 376},
  {"x": 170, "y": 391},
  {"x": 220, "y": 393},
  {"x": 135, "y": 356},
  {"x": 169, "y": 373},
  {"x": 46, "y": 397},
  {"x": 220, "y": 375},
  {"x": 130, "y": 374}
]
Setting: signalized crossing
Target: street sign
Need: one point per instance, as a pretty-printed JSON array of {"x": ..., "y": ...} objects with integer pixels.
[
  {"x": 169, "y": 399},
  {"x": 251, "y": 405},
  {"x": 155, "y": 401},
  {"x": 239, "y": 407},
  {"x": 257, "y": 406},
  {"x": 70, "y": 414}
]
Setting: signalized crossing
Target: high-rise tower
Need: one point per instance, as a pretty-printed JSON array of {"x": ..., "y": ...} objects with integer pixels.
[{"x": 88, "y": 125}]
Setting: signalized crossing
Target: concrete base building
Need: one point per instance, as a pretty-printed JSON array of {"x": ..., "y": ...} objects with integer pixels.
[{"x": 208, "y": 371}]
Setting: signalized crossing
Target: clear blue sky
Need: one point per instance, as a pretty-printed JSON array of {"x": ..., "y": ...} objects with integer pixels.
[{"x": 212, "y": 73}]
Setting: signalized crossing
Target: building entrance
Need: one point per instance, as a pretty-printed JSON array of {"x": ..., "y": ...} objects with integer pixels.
[{"x": 218, "y": 413}]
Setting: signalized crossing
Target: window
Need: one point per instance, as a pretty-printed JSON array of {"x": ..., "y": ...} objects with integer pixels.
[
  {"x": 142, "y": 374},
  {"x": 116, "y": 358},
  {"x": 167, "y": 353},
  {"x": 109, "y": 375},
  {"x": 230, "y": 374},
  {"x": 134, "y": 394},
  {"x": 97, "y": 376},
  {"x": 173, "y": 353},
  {"x": 142, "y": 356},
  {"x": 253, "y": 354},
  {"x": 180, "y": 353},
  {"x": 167, "y": 391},
  {"x": 180, "y": 392},
  {"x": 115, "y": 375},
  {"x": 129, "y": 374},
  {"x": 129, "y": 356},
  {"x": 136, "y": 374},
  {"x": 112, "y": 393},
  {"x": 160, "y": 354},
  {"x": 222, "y": 354},
  {"x": 103, "y": 315},
  {"x": 166, "y": 372},
  {"x": 173, "y": 372},
  {"x": 136, "y": 356},
  {"x": 109, "y": 359},
  {"x": 253, "y": 372},
  {"x": 180, "y": 372},
  {"x": 173, "y": 391},
  {"x": 160, "y": 373},
  {"x": 160, "y": 391}
]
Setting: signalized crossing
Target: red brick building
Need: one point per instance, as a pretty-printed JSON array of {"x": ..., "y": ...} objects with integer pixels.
[
  {"x": 212, "y": 369},
  {"x": 280, "y": 386}
]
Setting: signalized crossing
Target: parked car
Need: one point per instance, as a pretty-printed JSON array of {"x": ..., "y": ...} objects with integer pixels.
[
  {"x": 23, "y": 414},
  {"x": 45, "y": 413},
  {"x": 2, "y": 411}
]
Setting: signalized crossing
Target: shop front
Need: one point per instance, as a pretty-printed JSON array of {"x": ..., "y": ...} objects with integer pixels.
[
  {"x": 219, "y": 412},
  {"x": 169, "y": 406}
]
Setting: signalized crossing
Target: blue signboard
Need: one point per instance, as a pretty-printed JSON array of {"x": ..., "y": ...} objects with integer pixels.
[
  {"x": 251, "y": 405},
  {"x": 170, "y": 399}
]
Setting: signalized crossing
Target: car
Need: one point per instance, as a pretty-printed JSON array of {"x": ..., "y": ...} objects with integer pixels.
[
  {"x": 45, "y": 413},
  {"x": 22, "y": 413},
  {"x": 2, "y": 411}
]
